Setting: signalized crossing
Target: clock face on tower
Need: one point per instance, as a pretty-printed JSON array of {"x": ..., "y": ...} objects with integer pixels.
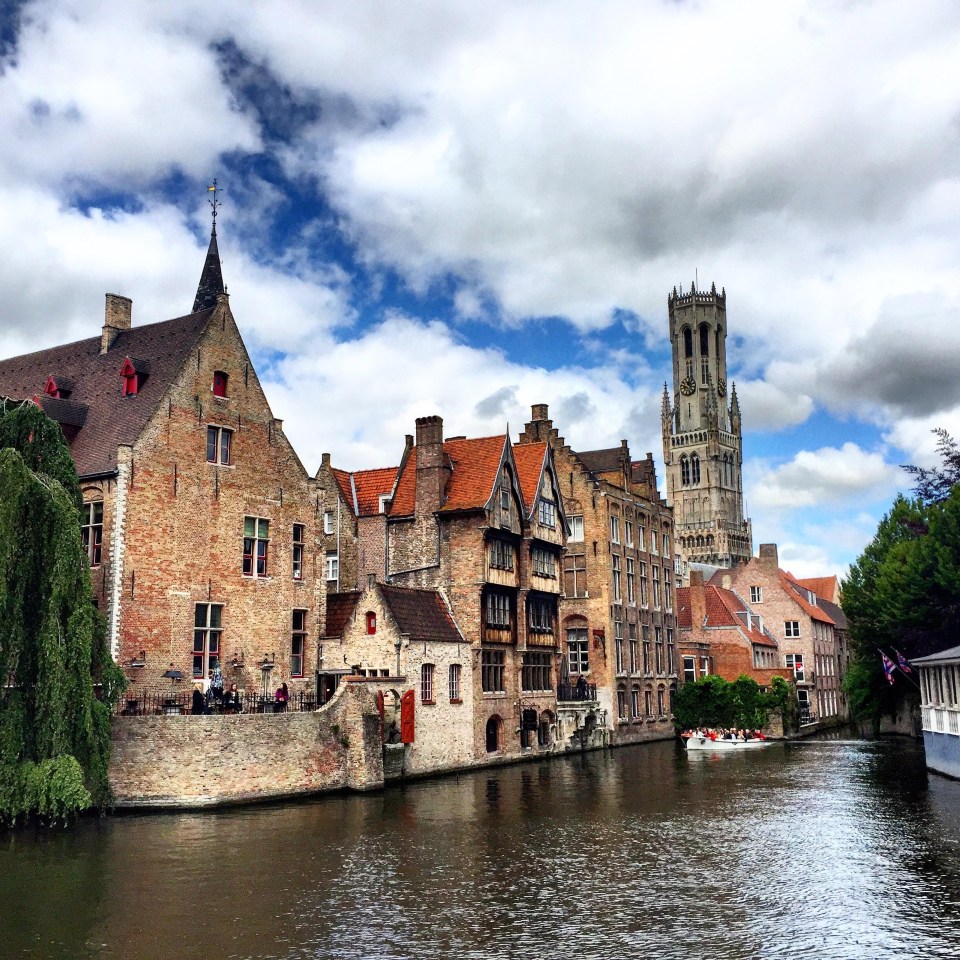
[
  {"x": 722, "y": 387},
  {"x": 687, "y": 386}
]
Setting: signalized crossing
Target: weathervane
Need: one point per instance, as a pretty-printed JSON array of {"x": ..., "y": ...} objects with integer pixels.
[{"x": 214, "y": 203}]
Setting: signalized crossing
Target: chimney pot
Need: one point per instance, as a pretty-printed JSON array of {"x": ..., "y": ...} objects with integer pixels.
[{"x": 539, "y": 411}]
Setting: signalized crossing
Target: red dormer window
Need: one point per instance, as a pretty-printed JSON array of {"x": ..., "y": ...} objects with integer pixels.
[
  {"x": 371, "y": 622},
  {"x": 219, "y": 383},
  {"x": 51, "y": 388},
  {"x": 131, "y": 379}
]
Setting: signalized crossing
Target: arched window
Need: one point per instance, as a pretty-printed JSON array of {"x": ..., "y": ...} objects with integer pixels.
[
  {"x": 687, "y": 342},
  {"x": 494, "y": 728},
  {"x": 684, "y": 471},
  {"x": 704, "y": 340},
  {"x": 695, "y": 469}
]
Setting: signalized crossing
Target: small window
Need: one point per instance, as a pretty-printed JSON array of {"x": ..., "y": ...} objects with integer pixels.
[
  {"x": 628, "y": 532},
  {"x": 298, "y": 642},
  {"x": 333, "y": 567},
  {"x": 541, "y": 615},
  {"x": 791, "y": 629},
  {"x": 577, "y": 650},
  {"x": 219, "y": 445},
  {"x": 219, "y": 383},
  {"x": 371, "y": 623},
  {"x": 256, "y": 546},
  {"x": 547, "y": 513},
  {"x": 426, "y": 683},
  {"x": 207, "y": 632},
  {"x": 498, "y": 609},
  {"x": 615, "y": 529},
  {"x": 756, "y": 594},
  {"x": 92, "y": 531},
  {"x": 453, "y": 683},
  {"x": 298, "y": 551},
  {"x": 328, "y": 522},
  {"x": 689, "y": 669},
  {"x": 795, "y": 663},
  {"x": 501, "y": 555},
  {"x": 492, "y": 671},
  {"x": 544, "y": 563},
  {"x": 575, "y": 529}
]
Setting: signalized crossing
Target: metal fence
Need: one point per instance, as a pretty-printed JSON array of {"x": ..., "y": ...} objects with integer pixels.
[
  {"x": 152, "y": 704},
  {"x": 573, "y": 691}
]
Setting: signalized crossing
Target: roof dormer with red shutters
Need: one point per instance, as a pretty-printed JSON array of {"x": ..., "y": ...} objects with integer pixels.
[
  {"x": 134, "y": 373},
  {"x": 58, "y": 387}
]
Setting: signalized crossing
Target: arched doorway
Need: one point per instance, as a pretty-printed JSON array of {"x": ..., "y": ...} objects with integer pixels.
[
  {"x": 545, "y": 729},
  {"x": 494, "y": 733}
]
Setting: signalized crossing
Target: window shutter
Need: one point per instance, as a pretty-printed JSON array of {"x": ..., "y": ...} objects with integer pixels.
[{"x": 406, "y": 717}]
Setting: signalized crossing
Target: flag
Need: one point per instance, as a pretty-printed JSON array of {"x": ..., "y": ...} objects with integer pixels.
[
  {"x": 902, "y": 662},
  {"x": 888, "y": 667}
]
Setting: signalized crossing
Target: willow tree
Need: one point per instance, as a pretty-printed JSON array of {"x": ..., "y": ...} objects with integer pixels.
[{"x": 54, "y": 732}]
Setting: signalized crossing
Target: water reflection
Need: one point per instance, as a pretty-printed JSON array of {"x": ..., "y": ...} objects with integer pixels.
[{"x": 839, "y": 848}]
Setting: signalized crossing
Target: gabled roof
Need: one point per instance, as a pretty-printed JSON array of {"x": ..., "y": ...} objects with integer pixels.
[
  {"x": 474, "y": 468},
  {"x": 530, "y": 459},
  {"x": 723, "y": 609},
  {"x": 340, "y": 607},
  {"x": 827, "y": 588},
  {"x": 799, "y": 595},
  {"x": 601, "y": 461},
  {"x": 345, "y": 486},
  {"x": 111, "y": 418},
  {"x": 421, "y": 614},
  {"x": 370, "y": 485}
]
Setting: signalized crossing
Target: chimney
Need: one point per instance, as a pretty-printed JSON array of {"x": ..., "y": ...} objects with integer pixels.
[
  {"x": 117, "y": 317},
  {"x": 698, "y": 600},
  {"x": 432, "y": 471},
  {"x": 768, "y": 554},
  {"x": 539, "y": 411},
  {"x": 540, "y": 426},
  {"x": 324, "y": 459}
]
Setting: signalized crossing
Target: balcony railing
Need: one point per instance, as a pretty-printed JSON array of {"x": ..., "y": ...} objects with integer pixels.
[
  {"x": 160, "y": 704},
  {"x": 573, "y": 692},
  {"x": 941, "y": 719}
]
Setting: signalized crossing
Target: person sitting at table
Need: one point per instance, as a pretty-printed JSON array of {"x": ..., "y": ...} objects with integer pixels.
[
  {"x": 281, "y": 697},
  {"x": 231, "y": 700},
  {"x": 199, "y": 703}
]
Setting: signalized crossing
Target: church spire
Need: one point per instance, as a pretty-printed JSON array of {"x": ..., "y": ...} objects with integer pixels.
[{"x": 211, "y": 279}]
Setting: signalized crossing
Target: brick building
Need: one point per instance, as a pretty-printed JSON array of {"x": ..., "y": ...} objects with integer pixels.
[
  {"x": 810, "y": 631},
  {"x": 458, "y": 522},
  {"x": 199, "y": 520},
  {"x": 719, "y": 634},
  {"x": 617, "y": 613}
]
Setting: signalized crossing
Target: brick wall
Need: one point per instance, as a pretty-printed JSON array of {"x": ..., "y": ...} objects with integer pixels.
[{"x": 210, "y": 760}]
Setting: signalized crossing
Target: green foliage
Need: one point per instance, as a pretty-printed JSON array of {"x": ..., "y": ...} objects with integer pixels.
[
  {"x": 54, "y": 734},
  {"x": 714, "y": 702}
]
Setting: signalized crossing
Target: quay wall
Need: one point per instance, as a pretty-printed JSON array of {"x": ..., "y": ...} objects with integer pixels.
[{"x": 188, "y": 761}]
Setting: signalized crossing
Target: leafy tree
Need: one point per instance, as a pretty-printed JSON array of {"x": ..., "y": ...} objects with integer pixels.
[
  {"x": 714, "y": 702},
  {"x": 934, "y": 484},
  {"x": 54, "y": 733}
]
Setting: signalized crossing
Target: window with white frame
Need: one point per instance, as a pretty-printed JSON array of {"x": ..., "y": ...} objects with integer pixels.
[
  {"x": 577, "y": 650},
  {"x": 656, "y": 587},
  {"x": 256, "y": 546},
  {"x": 644, "y": 598},
  {"x": 615, "y": 529},
  {"x": 298, "y": 547},
  {"x": 628, "y": 532},
  {"x": 756, "y": 594},
  {"x": 791, "y": 629},
  {"x": 328, "y": 522},
  {"x": 795, "y": 663},
  {"x": 641, "y": 537},
  {"x": 91, "y": 531},
  {"x": 631, "y": 581},
  {"x": 616, "y": 578},
  {"x": 635, "y": 702},
  {"x": 426, "y": 683},
  {"x": 207, "y": 633},
  {"x": 333, "y": 567},
  {"x": 547, "y": 513},
  {"x": 219, "y": 445},
  {"x": 689, "y": 669},
  {"x": 575, "y": 529}
]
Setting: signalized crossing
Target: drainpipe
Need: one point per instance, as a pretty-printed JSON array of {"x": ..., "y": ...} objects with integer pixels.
[{"x": 339, "y": 558}]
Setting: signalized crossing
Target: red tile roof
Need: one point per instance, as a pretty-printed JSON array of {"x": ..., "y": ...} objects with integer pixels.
[
  {"x": 723, "y": 609},
  {"x": 798, "y": 594},
  {"x": 530, "y": 458},
  {"x": 827, "y": 588},
  {"x": 110, "y": 418},
  {"x": 474, "y": 466},
  {"x": 345, "y": 486},
  {"x": 370, "y": 485},
  {"x": 340, "y": 607}
]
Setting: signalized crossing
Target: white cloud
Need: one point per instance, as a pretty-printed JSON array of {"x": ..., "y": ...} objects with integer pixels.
[{"x": 822, "y": 476}]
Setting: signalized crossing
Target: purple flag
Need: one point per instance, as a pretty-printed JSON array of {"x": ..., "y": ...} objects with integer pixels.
[{"x": 888, "y": 667}]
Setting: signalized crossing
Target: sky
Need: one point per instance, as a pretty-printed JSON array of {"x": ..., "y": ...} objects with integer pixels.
[{"x": 467, "y": 208}]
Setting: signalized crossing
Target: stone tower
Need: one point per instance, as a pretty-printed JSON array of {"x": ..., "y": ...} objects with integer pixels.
[{"x": 702, "y": 448}]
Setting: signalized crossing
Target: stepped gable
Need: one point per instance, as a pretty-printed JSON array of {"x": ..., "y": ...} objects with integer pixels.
[
  {"x": 474, "y": 467},
  {"x": 530, "y": 458},
  {"x": 423, "y": 615},
  {"x": 340, "y": 608},
  {"x": 109, "y": 417}
]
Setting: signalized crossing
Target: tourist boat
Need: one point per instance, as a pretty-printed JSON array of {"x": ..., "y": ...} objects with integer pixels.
[{"x": 706, "y": 743}]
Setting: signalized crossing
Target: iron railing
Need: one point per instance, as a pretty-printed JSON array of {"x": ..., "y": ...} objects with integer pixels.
[
  {"x": 574, "y": 691},
  {"x": 152, "y": 704}
]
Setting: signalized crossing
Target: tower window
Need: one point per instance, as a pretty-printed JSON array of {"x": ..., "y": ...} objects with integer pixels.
[
  {"x": 687, "y": 342},
  {"x": 704, "y": 340},
  {"x": 684, "y": 471},
  {"x": 695, "y": 470}
]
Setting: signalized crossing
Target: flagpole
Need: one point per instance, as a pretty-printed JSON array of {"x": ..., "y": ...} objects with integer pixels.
[{"x": 896, "y": 666}]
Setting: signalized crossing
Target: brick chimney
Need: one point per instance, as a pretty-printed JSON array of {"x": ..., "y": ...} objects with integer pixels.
[
  {"x": 540, "y": 425},
  {"x": 768, "y": 555},
  {"x": 117, "y": 317},
  {"x": 432, "y": 471},
  {"x": 698, "y": 599}
]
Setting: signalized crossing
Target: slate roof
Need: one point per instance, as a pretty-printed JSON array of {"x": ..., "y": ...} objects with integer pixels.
[
  {"x": 422, "y": 614},
  {"x": 340, "y": 607},
  {"x": 529, "y": 458},
  {"x": 211, "y": 277},
  {"x": 601, "y": 461},
  {"x": 944, "y": 656},
  {"x": 474, "y": 466},
  {"x": 110, "y": 419}
]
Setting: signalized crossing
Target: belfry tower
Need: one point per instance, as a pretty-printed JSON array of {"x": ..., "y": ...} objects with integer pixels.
[{"x": 702, "y": 447}]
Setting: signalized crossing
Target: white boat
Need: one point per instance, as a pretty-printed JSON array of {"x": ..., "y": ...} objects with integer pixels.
[{"x": 706, "y": 743}]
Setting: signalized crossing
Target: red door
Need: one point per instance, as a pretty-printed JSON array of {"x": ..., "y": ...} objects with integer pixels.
[{"x": 406, "y": 717}]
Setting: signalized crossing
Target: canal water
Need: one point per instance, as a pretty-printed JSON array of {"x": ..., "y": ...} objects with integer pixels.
[{"x": 825, "y": 849}]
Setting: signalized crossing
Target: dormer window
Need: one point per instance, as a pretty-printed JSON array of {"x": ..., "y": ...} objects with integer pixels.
[
  {"x": 58, "y": 387},
  {"x": 134, "y": 374},
  {"x": 219, "y": 383}
]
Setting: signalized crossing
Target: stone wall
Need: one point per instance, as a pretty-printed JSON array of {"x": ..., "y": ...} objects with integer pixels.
[{"x": 218, "y": 760}]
